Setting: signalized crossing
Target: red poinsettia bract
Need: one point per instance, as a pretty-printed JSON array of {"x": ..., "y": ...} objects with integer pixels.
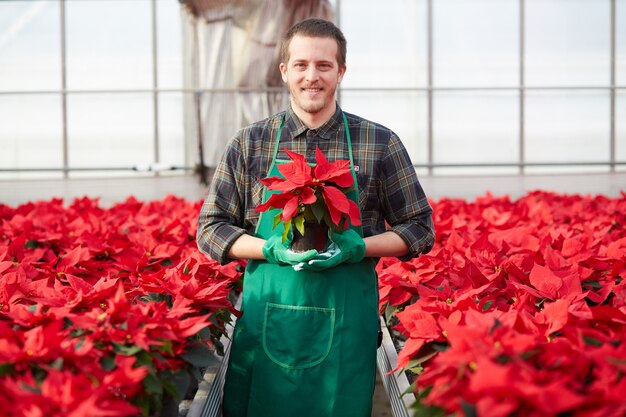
[
  {"x": 520, "y": 309},
  {"x": 303, "y": 185},
  {"x": 101, "y": 308}
]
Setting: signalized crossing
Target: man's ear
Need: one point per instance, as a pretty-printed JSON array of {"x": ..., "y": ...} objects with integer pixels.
[
  {"x": 342, "y": 71},
  {"x": 283, "y": 71}
]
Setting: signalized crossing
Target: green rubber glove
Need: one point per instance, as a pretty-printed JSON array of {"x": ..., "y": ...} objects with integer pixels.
[
  {"x": 350, "y": 248},
  {"x": 277, "y": 252}
]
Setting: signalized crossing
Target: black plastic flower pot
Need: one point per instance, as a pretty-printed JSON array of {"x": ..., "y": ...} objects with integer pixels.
[{"x": 315, "y": 237}]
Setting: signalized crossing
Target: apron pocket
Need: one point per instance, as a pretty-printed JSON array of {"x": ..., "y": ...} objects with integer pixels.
[{"x": 297, "y": 337}]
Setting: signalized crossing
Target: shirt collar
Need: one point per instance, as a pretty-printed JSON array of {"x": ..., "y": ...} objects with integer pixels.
[{"x": 294, "y": 127}]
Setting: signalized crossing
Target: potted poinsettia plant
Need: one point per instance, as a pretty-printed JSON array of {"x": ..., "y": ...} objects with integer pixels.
[{"x": 311, "y": 199}]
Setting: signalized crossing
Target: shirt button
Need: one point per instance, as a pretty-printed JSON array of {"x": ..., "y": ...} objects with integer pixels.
[{"x": 311, "y": 132}]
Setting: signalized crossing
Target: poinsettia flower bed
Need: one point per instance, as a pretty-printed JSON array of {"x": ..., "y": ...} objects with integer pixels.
[
  {"x": 519, "y": 310},
  {"x": 103, "y": 312}
]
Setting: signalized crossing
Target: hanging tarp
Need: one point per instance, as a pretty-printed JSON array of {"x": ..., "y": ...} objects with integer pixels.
[{"x": 231, "y": 54}]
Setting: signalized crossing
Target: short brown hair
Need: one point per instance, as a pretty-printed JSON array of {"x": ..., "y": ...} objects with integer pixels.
[{"x": 315, "y": 28}]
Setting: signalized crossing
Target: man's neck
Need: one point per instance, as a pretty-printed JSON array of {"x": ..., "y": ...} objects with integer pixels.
[{"x": 315, "y": 120}]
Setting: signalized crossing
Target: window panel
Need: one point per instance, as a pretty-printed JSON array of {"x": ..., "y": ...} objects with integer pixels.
[
  {"x": 109, "y": 44},
  {"x": 386, "y": 43},
  {"x": 31, "y": 132},
  {"x": 567, "y": 127},
  {"x": 476, "y": 43},
  {"x": 567, "y": 42},
  {"x": 620, "y": 130},
  {"x": 30, "y": 45},
  {"x": 169, "y": 53},
  {"x": 110, "y": 130},
  {"x": 620, "y": 42},
  {"x": 406, "y": 113},
  {"x": 171, "y": 130},
  {"x": 471, "y": 127}
]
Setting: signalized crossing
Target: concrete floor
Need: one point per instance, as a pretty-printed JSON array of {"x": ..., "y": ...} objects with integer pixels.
[
  {"x": 111, "y": 190},
  {"x": 381, "y": 406}
]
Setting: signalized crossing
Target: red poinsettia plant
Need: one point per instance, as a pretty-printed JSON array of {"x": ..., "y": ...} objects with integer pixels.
[
  {"x": 519, "y": 309},
  {"x": 312, "y": 194},
  {"x": 106, "y": 311}
]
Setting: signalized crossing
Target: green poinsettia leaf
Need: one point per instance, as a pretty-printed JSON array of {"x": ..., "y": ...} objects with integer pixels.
[
  {"x": 287, "y": 229},
  {"x": 166, "y": 347},
  {"x": 6, "y": 369},
  {"x": 276, "y": 221},
  {"x": 299, "y": 222},
  {"x": 57, "y": 364},
  {"x": 127, "y": 350},
  {"x": 308, "y": 214},
  {"x": 199, "y": 355},
  {"x": 176, "y": 383},
  {"x": 107, "y": 363},
  {"x": 31, "y": 244},
  {"x": 152, "y": 384},
  {"x": 327, "y": 219},
  {"x": 319, "y": 210},
  {"x": 409, "y": 390}
]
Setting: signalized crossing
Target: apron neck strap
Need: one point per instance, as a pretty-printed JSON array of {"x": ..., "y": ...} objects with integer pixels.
[
  {"x": 277, "y": 140},
  {"x": 349, "y": 140},
  {"x": 345, "y": 127}
]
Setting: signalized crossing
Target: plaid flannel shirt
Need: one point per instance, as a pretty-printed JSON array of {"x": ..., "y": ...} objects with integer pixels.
[{"x": 391, "y": 197}]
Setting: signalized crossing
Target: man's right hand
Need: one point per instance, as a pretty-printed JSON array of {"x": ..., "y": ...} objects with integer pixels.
[
  {"x": 278, "y": 252},
  {"x": 347, "y": 246}
]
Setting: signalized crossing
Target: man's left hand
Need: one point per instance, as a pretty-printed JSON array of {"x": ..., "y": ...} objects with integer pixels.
[{"x": 349, "y": 247}]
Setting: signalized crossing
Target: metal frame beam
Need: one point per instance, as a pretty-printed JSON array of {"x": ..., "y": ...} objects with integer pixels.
[{"x": 430, "y": 89}]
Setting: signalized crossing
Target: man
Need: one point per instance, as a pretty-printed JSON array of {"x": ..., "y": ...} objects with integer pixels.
[{"x": 306, "y": 342}]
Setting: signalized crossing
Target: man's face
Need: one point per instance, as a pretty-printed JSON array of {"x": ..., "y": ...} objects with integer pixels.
[{"x": 312, "y": 74}]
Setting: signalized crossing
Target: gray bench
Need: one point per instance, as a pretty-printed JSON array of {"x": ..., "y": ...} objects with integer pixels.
[{"x": 208, "y": 398}]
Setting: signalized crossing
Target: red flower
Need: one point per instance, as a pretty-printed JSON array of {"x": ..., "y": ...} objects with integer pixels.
[
  {"x": 519, "y": 310},
  {"x": 94, "y": 300},
  {"x": 312, "y": 193}
]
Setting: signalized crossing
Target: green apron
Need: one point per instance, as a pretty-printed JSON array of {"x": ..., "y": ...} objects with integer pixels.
[{"x": 306, "y": 342}]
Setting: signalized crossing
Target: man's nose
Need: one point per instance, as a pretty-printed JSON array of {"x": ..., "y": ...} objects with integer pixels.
[{"x": 312, "y": 73}]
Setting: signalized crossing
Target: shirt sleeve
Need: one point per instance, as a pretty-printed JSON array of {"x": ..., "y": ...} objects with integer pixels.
[
  {"x": 406, "y": 207},
  {"x": 222, "y": 214}
]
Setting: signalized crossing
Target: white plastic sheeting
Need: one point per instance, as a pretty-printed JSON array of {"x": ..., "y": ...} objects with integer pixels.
[{"x": 231, "y": 55}]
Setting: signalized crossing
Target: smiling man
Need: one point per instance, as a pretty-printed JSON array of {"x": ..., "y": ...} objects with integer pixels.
[
  {"x": 305, "y": 344},
  {"x": 312, "y": 73}
]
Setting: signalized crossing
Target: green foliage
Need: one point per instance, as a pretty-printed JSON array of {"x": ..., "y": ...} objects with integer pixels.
[
  {"x": 6, "y": 369},
  {"x": 199, "y": 356},
  {"x": 426, "y": 410}
]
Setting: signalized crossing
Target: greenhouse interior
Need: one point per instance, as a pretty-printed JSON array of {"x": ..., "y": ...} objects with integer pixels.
[{"x": 116, "y": 117}]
